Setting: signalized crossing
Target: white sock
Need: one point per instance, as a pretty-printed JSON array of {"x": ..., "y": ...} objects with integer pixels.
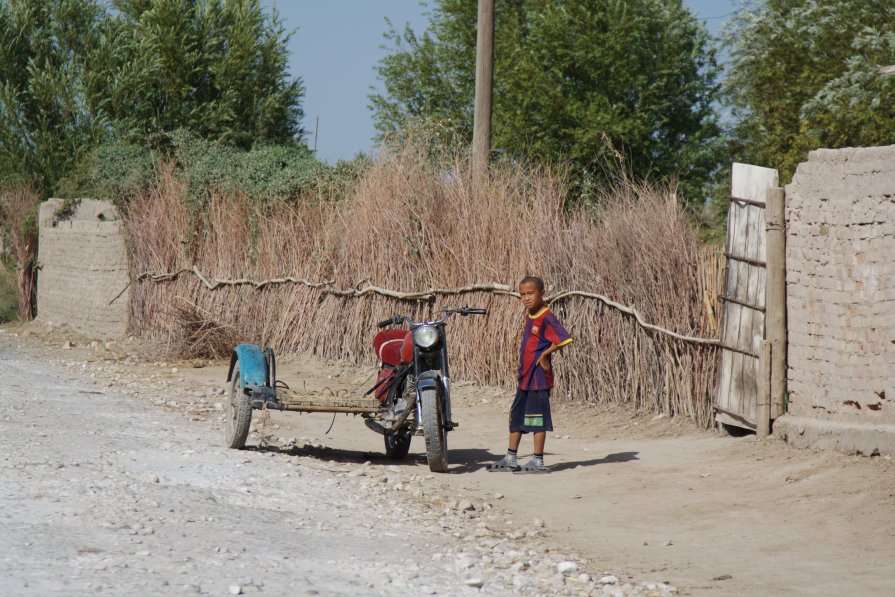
[{"x": 511, "y": 457}]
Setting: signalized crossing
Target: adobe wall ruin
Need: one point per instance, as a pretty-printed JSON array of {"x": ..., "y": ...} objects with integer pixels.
[{"x": 83, "y": 266}]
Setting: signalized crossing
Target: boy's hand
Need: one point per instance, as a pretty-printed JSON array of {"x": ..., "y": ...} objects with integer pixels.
[{"x": 544, "y": 363}]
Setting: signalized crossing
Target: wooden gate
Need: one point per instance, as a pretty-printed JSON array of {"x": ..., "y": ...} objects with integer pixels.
[{"x": 743, "y": 313}]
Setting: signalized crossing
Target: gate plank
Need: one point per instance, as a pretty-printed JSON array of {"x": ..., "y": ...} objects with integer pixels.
[{"x": 743, "y": 327}]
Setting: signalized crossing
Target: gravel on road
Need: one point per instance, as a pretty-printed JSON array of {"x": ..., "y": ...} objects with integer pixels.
[{"x": 104, "y": 492}]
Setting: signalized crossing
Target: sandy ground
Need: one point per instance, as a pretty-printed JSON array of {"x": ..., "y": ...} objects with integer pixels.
[
  {"x": 711, "y": 514},
  {"x": 633, "y": 496}
]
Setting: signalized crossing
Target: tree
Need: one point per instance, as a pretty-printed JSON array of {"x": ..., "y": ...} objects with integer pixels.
[
  {"x": 45, "y": 127},
  {"x": 573, "y": 81},
  {"x": 805, "y": 74},
  {"x": 216, "y": 68},
  {"x": 74, "y": 73}
]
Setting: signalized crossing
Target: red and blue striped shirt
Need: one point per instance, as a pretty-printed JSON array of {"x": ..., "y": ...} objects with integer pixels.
[{"x": 540, "y": 331}]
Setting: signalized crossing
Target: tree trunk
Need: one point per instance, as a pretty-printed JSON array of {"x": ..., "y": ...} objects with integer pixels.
[{"x": 25, "y": 288}]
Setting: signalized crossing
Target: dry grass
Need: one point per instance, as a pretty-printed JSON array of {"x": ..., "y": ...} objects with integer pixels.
[{"x": 409, "y": 226}]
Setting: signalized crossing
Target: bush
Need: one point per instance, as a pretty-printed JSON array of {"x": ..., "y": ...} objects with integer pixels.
[
  {"x": 114, "y": 171},
  {"x": 120, "y": 171}
]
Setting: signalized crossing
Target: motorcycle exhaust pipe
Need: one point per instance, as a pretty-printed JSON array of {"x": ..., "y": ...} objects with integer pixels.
[
  {"x": 373, "y": 425},
  {"x": 399, "y": 422}
]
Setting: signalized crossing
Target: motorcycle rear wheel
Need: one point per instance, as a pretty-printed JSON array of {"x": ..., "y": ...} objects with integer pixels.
[
  {"x": 433, "y": 429},
  {"x": 398, "y": 445}
]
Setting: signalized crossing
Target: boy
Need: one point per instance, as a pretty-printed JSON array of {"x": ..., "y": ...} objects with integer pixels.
[{"x": 542, "y": 335}]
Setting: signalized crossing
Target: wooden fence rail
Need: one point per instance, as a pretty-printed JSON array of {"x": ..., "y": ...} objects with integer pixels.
[{"x": 364, "y": 287}]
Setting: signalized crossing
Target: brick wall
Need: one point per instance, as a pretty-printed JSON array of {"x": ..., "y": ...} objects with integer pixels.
[
  {"x": 840, "y": 262},
  {"x": 83, "y": 265}
]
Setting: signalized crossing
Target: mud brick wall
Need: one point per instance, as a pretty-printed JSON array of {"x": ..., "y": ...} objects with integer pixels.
[
  {"x": 840, "y": 263},
  {"x": 83, "y": 265}
]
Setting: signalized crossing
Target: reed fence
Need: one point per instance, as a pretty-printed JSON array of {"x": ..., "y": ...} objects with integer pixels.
[{"x": 410, "y": 226}]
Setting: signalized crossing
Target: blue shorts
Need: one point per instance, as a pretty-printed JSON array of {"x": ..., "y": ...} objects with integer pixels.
[{"x": 530, "y": 412}]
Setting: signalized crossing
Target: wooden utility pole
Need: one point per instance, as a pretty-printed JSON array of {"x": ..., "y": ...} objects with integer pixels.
[{"x": 484, "y": 77}]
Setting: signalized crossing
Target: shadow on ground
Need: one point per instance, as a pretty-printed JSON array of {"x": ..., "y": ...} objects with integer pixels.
[
  {"x": 471, "y": 459},
  {"x": 325, "y": 453},
  {"x": 461, "y": 461},
  {"x": 468, "y": 461},
  {"x": 608, "y": 459}
]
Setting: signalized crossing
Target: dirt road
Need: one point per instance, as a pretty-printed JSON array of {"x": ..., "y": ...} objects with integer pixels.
[
  {"x": 111, "y": 495},
  {"x": 106, "y": 487},
  {"x": 140, "y": 499},
  {"x": 710, "y": 514}
]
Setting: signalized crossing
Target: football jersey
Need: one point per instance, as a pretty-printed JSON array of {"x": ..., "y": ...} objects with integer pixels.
[{"x": 540, "y": 331}]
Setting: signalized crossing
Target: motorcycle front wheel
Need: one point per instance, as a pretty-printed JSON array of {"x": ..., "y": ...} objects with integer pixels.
[{"x": 433, "y": 429}]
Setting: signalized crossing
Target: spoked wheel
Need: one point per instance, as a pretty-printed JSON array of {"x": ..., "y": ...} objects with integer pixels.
[
  {"x": 433, "y": 429},
  {"x": 398, "y": 445},
  {"x": 239, "y": 413}
]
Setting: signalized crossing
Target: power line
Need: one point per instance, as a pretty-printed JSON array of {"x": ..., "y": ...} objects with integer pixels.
[{"x": 719, "y": 16}]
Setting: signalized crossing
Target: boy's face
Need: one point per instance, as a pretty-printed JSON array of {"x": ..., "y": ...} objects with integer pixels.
[{"x": 532, "y": 296}]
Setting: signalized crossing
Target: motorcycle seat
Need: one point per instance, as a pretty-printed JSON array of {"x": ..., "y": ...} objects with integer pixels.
[{"x": 392, "y": 346}]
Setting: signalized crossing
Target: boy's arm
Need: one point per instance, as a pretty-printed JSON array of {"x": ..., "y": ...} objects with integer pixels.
[
  {"x": 544, "y": 361},
  {"x": 559, "y": 337}
]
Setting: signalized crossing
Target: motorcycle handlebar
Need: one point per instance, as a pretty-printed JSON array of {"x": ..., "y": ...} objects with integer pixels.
[
  {"x": 462, "y": 311},
  {"x": 387, "y": 322}
]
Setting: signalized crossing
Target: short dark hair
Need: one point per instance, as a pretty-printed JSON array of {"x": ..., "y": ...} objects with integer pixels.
[{"x": 533, "y": 280}]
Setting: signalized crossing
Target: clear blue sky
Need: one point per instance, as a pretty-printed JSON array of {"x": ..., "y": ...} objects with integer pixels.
[{"x": 335, "y": 49}]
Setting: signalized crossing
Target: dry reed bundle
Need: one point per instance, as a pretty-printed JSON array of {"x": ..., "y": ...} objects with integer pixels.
[{"x": 410, "y": 226}]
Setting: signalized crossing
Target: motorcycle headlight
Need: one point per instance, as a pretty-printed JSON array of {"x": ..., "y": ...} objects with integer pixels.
[{"x": 425, "y": 336}]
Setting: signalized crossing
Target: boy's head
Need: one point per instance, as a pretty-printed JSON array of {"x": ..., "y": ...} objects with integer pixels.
[{"x": 531, "y": 291}]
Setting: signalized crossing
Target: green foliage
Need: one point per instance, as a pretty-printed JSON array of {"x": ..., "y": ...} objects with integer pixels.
[
  {"x": 116, "y": 171},
  {"x": 45, "y": 126},
  {"x": 337, "y": 182},
  {"x": 804, "y": 74},
  {"x": 78, "y": 73},
  {"x": 858, "y": 106},
  {"x": 120, "y": 171},
  {"x": 263, "y": 172},
  {"x": 584, "y": 81},
  {"x": 217, "y": 68}
]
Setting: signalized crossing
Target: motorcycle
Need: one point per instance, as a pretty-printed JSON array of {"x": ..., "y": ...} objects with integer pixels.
[
  {"x": 413, "y": 386},
  {"x": 411, "y": 396}
]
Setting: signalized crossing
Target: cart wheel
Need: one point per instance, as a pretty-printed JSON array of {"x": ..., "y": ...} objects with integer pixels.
[
  {"x": 239, "y": 413},
  {"x": 433, "y": 429}
]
